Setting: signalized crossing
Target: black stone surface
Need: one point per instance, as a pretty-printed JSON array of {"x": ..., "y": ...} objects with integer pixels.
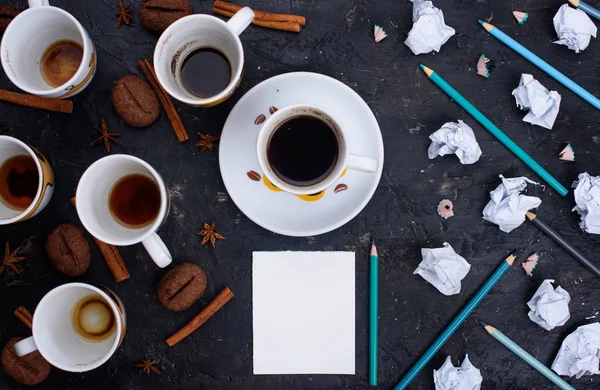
[{"x": 337, "y": 41}]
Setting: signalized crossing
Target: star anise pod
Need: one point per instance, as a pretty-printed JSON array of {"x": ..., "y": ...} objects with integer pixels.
[
  {"x": 124, "y": 14},
  {"x": 9, "y": 260},
  {"x": 148, "y": 366},
  {"x": 209, "y": 234},
  {"x": 206, "y": 141},
  {"x": 106, "y": 137}
]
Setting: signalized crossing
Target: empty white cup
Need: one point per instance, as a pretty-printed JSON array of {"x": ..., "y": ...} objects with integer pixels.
[{"x": 57, "y": 340}]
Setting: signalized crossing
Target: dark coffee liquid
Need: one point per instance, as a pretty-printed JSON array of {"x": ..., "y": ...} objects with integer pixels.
[
  {"x": 205, "y": 72},
  {"x": 134, "y": 201},
  {"x": 303, "y": 150},
  {"x": 19, "y": 180},
  {"x": 93, "y": 318},
  {"x": 60, "y": 62}
]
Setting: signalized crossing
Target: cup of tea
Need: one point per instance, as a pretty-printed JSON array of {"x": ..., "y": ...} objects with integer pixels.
[
  {"x": 45, "y": 51},
  {"x": 303, "y": 150},
  {"x": 199, "y": 59},
  {"x": 122, "y": 201},
  {"x": 26, "y": 181},
  {"x": 76, "y": 327}
]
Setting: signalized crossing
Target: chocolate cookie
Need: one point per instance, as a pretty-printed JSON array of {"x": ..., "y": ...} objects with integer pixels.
[
  {"x": 7, "y": 14},
  {"x": 68, "y": 250},
  {"x": 30, "y": 369},
  {"x": 135, "y": 101},
  {"x": 181, "y": 287},
  {"x": 157, "y": 15}
]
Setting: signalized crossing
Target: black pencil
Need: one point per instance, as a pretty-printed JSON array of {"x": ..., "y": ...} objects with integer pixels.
[{"x": 562, "y": 242}]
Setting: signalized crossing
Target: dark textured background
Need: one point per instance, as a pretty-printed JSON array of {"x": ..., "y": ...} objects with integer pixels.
[{"x": 337, "y": 41}]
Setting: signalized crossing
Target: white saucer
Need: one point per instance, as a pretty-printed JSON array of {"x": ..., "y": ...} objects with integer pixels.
[{"x": 285, "y": 213}]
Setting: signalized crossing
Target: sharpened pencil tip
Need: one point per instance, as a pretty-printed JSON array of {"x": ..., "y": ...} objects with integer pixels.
[
  {"x": 481, "y": 22},
  {"x": 428, "y": 71},
  {"x": 373, "y": 249},
  {"x": 483, "y": 324},
  {"x": 531, "y": 216}
]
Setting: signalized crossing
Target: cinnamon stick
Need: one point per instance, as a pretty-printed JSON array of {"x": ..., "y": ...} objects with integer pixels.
[
  {"x": 111, "y": 256},
  {"x": 24, "y": 315},
  {"x": 165, "y": 100},
  {"x": 196, "y": 322},
  {"x": 24, "y": 99},
  {"x": 283, "y": 26},
  {"x": 261, "y": 15}
]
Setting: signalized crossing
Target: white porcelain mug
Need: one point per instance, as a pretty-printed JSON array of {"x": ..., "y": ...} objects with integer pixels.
[
  {"x": 26, "y": 39},
  {"x": 57, "y": 340},
  {"x": 93, "y": 193},
  {"x": 11, "y": 147},
  {"x": 345, "y": 159},
  {"x": 190, "y": 33}
]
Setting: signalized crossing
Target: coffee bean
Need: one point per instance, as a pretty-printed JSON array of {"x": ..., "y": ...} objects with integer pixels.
[
  {"x": 30, "y": 369},
  {"x": 157, "y": 15},
  {"x": 181, "y": 287},
  {"x": 68, "y": 250},
  {"x": 134, "y": 101},
  {"x": 7, "y": 14},
  {"x": 340, "y": 188},
  {"x": 254, "y": 176}
]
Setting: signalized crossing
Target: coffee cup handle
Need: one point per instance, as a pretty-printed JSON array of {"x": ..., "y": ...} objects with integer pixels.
[
  {"x": 241, "y": 20},
  {"x": 157, "y": 249},
  {"x": 25, "y": 346},
  {"x": 38, "y": 3},
  {"x": 361, "y": 163}
]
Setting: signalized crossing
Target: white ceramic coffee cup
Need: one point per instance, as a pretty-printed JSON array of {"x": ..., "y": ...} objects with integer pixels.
[
  {"x": 190, "y": 33},
  {"x": 345, "y": 158},
  {"x": 92, "y": 197},
  {"x": 11, "y": 147},
  {"x": 26, "y": 39},
  {"x": 57, "y": 340}
]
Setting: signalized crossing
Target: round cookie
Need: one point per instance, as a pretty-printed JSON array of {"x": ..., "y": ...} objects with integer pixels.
[
  {"x": 68, "y": 250},
  {"x": 134, "y": 101},
  {"x": 181, "y": 287},
  {"x": 157, "y": 15},
  {"x": 30, "y": 369}
]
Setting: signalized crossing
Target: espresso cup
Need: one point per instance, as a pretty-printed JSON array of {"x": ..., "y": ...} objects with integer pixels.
[
  {"x": 344, "y": 159},
  {"x": 93, "y": 194},
  {"x": 27, "y": 38},
  {"x": 55, "y": 336},
  {"x": 200, "y": 31},
  {"x": 9, "y": 148}
]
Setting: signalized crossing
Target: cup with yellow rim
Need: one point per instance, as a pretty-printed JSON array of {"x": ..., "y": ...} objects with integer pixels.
[
  {"x": 10, "y": 212},
  {"x": 26, "y": 40}
]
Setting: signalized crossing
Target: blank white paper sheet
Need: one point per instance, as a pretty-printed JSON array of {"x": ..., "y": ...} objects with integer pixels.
[{"x": 303, "y": 312}]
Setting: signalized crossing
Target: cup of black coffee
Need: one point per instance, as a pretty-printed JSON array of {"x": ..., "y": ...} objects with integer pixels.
[
  {"x": 303, "y": 150},
  {"x": 199, "y": 59}
]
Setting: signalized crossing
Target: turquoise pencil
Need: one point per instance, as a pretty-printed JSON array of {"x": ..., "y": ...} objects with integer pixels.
[
  {"x": 523, "y": 354},
  {"x": 588, "y": 9},
  {"x": 458, "y": 320},
  {"x": 543, "y": 65},
  {"x": 496, "y": 132},
  {"x": 373, "y": 314}
]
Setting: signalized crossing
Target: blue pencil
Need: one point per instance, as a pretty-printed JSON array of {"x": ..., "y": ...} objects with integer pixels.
[
  {"x": 523, "y": 354},
  {"x": 458, "y": 320},
  {"x": 543, "y": 65},
  {"x": 588, "y": 9}
]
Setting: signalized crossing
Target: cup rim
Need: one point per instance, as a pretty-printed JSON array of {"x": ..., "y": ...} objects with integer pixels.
[
  {"x": 262, "y": 144},
  {"x": 8, "y": 221},
  {"x": 163, "y": 41},
  {"x": 150, "y": 229},
  {"x": 86, "y": 51},
  {"x": 112, "y": 305}
]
